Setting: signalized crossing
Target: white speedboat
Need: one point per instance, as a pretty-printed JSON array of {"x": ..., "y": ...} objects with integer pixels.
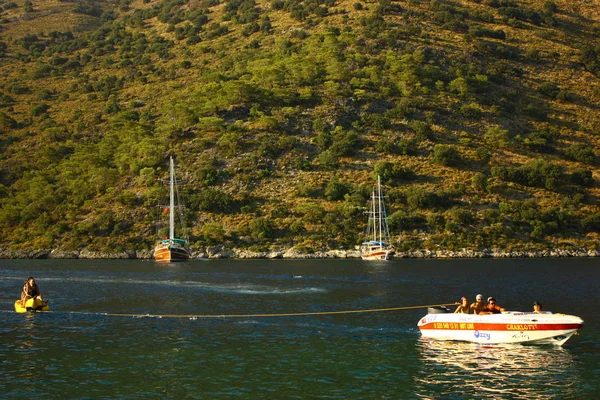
[{"x": 508, "y": 327}]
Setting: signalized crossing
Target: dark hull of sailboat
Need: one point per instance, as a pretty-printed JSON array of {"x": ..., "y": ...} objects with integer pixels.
[{"x": 171, "y": 254}]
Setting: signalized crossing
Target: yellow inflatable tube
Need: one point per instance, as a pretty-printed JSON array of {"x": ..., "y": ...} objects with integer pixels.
[{"x": 31, "y": 305}]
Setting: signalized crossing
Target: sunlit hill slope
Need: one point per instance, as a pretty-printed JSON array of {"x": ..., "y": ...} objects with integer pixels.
[{"x": 481, "y": 117}]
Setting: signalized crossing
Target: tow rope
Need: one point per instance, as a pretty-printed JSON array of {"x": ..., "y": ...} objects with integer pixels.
[{"x": 301, "y": 314}]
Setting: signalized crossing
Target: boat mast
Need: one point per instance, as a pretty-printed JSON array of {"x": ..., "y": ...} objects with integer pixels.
[
  {"x": 172, "y": 202},
  {"x": 380, "y": 216},
  {"x": 372, "y": 216}
]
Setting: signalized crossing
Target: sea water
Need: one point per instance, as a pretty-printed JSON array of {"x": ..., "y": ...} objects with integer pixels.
[{"x": 138, "y": 329}]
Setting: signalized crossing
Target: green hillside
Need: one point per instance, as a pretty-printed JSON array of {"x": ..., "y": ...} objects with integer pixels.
[{"x": 482, "y": 118}]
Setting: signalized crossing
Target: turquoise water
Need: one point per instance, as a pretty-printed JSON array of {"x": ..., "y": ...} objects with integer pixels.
[{"x": 77, "y": 351}]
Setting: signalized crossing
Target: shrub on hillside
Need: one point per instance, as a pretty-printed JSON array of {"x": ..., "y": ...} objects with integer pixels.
[
  {"x": 541, "y": 140},
  {"x": 482, "y": 31},
  {"x": 421, "y": 129},
  {"x": 479, "y": 182},
  {"x": 6, "y": 100},
  {"x": 344, "y": 142},
  {"x": 398, "y": 220},
  {"x": 417, "y": 197},
  {"x": 460, "y": 216},
  {"x": 312, "y": 212},
  {"x": 581, "y": 152},
  {"x": 590, "y": 57},
  {"x": 209, "y": 176},
  {"x": 549, "y": 89},
  {"x": 213, "y": 200},
  {"x": 328, "y": 160},
  {"x": 459, "y": 86},
  {"x": 446, "y": 155},
  {"x": 336, "y": 189},
  {"x": 261, "y": 228},
  {"x": 212, "y": 233},
  {"x": 230, "y": 144},
  {"x": 42, "y": 71},
  {"x": 39, "y": 109},
  {"x": 389, "y": 172},
  {"x": 472, "y": 111},
  {"x": 537, "y": 173},
  {"x": 497, "y": 137},
  {"x": 377, "y": 121},
  {"x": 582, "y": 177},
  {"x": 297, "y": 227},
  {"x": 386, "y": 145},
  {"x": 510, "y": 10},
  {"x": 87, "y": 9},
  {"x": 591, "y": 222},
  {"x": 436, "y": 221},
  {"x": 302, "y": 164},
  {"x": 274, "y": 146},
  {"x": 9, "y": 5},
  {"x": 306, "y": 190},
  {"x": 483, "y": 154},
  {"x": 7, "y": 122},
  {"x": 406, "y": 146}
]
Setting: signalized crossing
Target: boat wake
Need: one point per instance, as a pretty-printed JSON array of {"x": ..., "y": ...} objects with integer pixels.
[
  {"x": 250, "y": 289},
  {"x": 267, "y": 290}
]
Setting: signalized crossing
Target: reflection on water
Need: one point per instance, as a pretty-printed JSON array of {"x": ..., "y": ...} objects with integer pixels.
[
  {"x": 500, "y": 371},
  {"x": 26, "y": 346}
]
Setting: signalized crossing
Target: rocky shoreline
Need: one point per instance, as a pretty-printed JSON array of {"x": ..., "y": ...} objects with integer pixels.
[{"x": 218, "y": 252}]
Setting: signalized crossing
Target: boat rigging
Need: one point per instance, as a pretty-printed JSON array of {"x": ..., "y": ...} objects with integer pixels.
[{"x": 378, "y": 244}]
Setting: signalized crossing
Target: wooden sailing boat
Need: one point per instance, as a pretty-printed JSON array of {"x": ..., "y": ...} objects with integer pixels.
[
  {"x": 378, "y": 244},
  {"x": 171, "y": 248}
]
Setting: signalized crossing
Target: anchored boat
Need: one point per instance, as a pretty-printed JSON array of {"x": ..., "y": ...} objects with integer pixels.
[
  {"x": 31, "y": 305},
  {"x": 171, "y": 248},
  {"x": 508, "y": 327},
  {"x": 377, "y": 246}
]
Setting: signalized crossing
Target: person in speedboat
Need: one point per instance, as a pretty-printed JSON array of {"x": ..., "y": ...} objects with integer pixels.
[
  {"x": 30, "y": 291},
  {"x": 463, "y": 307},
  {"x": 537, "y": 307},
  {"x": 478, "y": 306},
  {"x": 492, "y": 307}
]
